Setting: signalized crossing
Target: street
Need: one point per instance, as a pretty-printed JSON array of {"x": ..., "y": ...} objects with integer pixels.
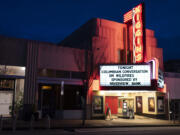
[
  {"x": 132, "y": 131},
  {"x": 102, "y": 131}
]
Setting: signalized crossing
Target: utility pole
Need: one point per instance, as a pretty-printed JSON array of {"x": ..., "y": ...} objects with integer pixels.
[{"x": 85, "y": 86}]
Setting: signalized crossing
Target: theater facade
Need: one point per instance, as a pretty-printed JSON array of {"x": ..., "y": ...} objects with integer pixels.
[{"x": 103, "y": 63}]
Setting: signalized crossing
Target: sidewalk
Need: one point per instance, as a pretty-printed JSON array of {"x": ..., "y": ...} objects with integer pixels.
[{"x": 139, "y": 121}]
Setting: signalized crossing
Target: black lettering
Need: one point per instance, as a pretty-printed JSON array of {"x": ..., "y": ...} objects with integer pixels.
[{"x": 111, "y": 75}]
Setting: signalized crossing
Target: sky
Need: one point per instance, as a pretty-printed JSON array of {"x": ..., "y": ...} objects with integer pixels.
[{"x": 53, "y": 20}]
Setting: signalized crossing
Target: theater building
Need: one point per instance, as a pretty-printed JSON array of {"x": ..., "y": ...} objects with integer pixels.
[
  {"x": 111, "y": 43},
  {"x": 54, "y": 77}
]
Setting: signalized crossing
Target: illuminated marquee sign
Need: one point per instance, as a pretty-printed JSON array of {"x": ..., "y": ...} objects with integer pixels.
[
  {"x": 136, "y": 18},
  {"x": 125, "y": 75},
  {"x": 138, "y": 34}
]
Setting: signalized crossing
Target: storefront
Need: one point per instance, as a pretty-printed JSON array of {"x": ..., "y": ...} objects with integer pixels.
[
  {"x": 141, "y": 102},
  {"x": 57, "y": 100},
  {"x": 59, "y": 82},
  {"x": 134, "y": 83},
  {"x": 11, "y": 89},
  {"x": 125, "y": 88}
]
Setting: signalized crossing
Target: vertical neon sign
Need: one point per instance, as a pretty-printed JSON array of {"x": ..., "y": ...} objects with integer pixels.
[
  {"x": 135, "y": 17},
  {"x": 137, "y": 34}
]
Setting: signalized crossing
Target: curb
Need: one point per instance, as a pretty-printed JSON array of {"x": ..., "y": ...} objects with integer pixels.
[{"x": 72, "y": 128}]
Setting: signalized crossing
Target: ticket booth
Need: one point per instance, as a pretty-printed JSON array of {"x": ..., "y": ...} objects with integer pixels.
[{"x": 124, "y": 106}]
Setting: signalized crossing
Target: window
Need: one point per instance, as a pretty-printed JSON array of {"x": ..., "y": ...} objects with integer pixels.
[
  {"x": 12, "y": 70},
  {"x": 6, "y": 84},
  {"x": 60, "y": 74},
  {"x": 78, "y": 75}
]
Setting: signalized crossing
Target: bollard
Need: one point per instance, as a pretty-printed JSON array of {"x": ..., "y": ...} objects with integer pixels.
[
  {"x": 14, "y": 123},
  {"x": 48, "y": 122},
  {"x": 32, "y": 122},
  {"x": 1, "y": 123}
]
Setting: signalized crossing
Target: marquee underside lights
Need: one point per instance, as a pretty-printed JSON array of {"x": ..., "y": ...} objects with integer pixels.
[{"x": 125, "y": 75}]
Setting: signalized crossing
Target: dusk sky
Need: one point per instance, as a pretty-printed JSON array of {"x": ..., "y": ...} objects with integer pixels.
[{"x": 53, "y": 20}]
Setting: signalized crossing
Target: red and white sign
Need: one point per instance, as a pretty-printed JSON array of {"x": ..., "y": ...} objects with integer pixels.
[
  {"x": 135, "y": 17},
  {"x": 137, "y": 34}
]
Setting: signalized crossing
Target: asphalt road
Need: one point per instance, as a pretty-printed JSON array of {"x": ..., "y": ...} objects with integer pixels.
[
  {"x": 131, "y": 131},
  {"x": 101, "y": 131}
]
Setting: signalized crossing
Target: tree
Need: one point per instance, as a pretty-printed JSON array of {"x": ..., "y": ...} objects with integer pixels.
[{"x": 90, "y": 62}]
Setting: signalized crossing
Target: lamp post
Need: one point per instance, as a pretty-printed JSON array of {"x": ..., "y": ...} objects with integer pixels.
[{"x": 85, "y": 86}]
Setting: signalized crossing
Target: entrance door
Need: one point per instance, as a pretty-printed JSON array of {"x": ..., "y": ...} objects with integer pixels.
[
  {"x": 112, "y": 103},
  {"x": 124, "y": 105},
  {"x": 48, "y": 99},
  {"x": 139, "y": 104}
]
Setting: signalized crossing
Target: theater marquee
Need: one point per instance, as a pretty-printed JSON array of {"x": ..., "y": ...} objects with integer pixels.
[{"x": 125, "y": 75}]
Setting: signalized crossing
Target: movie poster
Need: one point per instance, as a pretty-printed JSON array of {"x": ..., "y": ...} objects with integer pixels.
[
  {"x": 151, "y": 104},
  {"x": 160, "y": 104},
  {"x": 98, "y": 104}
]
